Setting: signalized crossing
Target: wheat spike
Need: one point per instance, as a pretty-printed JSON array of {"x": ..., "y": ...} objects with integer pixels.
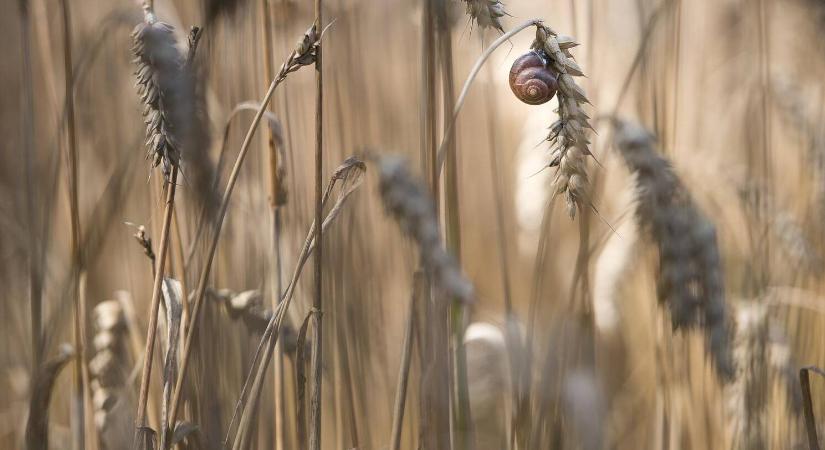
[
  {"x": 406, "y": 200},
  {"x": 690, "y": 269},
  {"x": 569, "y": 143}
]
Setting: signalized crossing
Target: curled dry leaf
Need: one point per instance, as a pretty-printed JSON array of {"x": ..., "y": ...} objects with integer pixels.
[{"x": 37, "y": 426}]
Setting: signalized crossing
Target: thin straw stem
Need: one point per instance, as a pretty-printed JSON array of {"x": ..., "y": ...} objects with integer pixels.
[
  {"x": 151, "y": 333},
  {"x": 315, "y": 398},
  {"x": 275, "y": 227},
  {"x": 404, "y": 369},
  {"x": 443, "y": 147},
  {"x": 81, "y": 375},
  {"x": 204, "y": 277}
]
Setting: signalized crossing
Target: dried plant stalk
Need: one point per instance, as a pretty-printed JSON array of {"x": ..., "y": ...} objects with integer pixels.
[
  {"x": 166, "y": 88},
  {"x": 690, "y": 269},
  {"x": 317, "y": 303},
  {"x": 304, "y": 54},
  {"x": 350, "y": 174},
  {"x": 84, "y": 434},
  {"x": 404, "y": 369}
]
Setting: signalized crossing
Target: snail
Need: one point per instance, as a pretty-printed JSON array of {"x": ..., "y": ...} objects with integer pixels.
[{"x": 531, "y": 80}]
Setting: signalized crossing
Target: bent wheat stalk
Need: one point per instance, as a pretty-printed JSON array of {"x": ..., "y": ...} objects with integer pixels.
[
  {"x": 164, "y": 83},
  {"x": 350, "y": 173},
  {"x": 303, "y": 55}
]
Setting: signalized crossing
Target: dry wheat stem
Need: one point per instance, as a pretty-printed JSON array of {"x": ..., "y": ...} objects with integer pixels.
[
  {"x": 350, "y": 173},
  {"x": 404, "y": 369},
  {"x": 442, "y": 148},
  {"x": 163, "y": 82},
  {"x": 27, "y": 133},
  {"x": 275, "y": 131},
  {"x": 315, "y": 398},
  {"x": 143, "y": 395},
  {"x": 276, "y": 198},
  {"x": 303, "y": 54},
  {"x": 82, "y": 433}
]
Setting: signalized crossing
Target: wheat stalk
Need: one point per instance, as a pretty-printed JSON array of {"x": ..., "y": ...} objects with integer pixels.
[
  {"x": 277, "y": 199},
  {"x": 317, "y": 303},
  {"x": 303, "y": 54},
  {"x": 84, "y": 435},
  {"x": 166, "y": 89},
  {"x": 350, "y": 174}
]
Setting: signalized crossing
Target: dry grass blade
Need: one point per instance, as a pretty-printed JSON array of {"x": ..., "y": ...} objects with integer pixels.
[
  {"x": 172, "y": 295},
  {"x": 350, "y": 175},
  {"x": 37, "y": 426},
  {"x": 807, "y": 404},
  {"x": 301, "y": 380},
  {"x": 276, "y": 132},
  {"x": 404, "y": 369},
  {"x": 166, "y": 88},
  {"x": 304, "y": 54},
  {"x": 443, "y": 147},
  {"x": 82, "y": 433},
  {"x": 690, "y": 268}
]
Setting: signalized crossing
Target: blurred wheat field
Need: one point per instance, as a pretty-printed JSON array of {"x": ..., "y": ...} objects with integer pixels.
[{"x": 635, "y": 263}]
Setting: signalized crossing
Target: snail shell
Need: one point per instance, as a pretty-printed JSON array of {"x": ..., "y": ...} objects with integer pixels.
[{"x": 531, "y": 80}]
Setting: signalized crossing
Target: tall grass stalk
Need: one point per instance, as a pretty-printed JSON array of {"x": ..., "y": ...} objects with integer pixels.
[
  {"x": 151, "y": 334},
  {"x": 303, "y": 54},
  {"x": 315, "y": 397},
  {"x": 81, "y": 399},
  {"x": 28, "y": 150},
  {"x": 275, "y": 201},
  {"x": 460, "y": 419},
  {"x": 512, "y": 337},
  {"x": 446, "y": 140},
  {"x": 434, "y": 396},
  {"x": 350, "y": 174},
  {"x": 404, "y": 369}
]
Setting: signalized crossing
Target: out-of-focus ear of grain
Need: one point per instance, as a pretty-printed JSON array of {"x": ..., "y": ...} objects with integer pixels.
[{"x": 487, "y": 384}]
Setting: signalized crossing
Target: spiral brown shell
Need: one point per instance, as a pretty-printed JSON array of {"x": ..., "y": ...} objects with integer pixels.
[{"x": 531, "y": 80}]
